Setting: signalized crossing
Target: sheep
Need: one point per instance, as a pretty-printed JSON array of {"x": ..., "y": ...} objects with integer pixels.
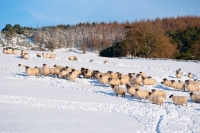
[
  {"x": 178, "y": 75},
  {"x": 189, "y": 75},
  {"x": 88, "y": 73},
  {"x": 143, "y": 74},
  {"x": 131, "y": 75},
  {"x": 113, "y": 74},
  {"x": 9, "y": 51},
  {"x": 141, "y": 94},
  {"x": 26, "y": 56},
  {"x": 45, "y": 55},
  {"x": 179, "y": 100},
  {"x": 124, "y": 80},
  {"x": 59, "y": 67},
  {"x": 137, "y": 80},
  {"x": 118, "y": 90},
  {"x": 20, "y": 65},
  {"x": 194, "y": 82},
  {"x": 155, "y": 99},
  {"x": 113, "y": 81},
  {"x": 64, "y": 73},
  {"x": 106, "y": 61},
  {"x": 131, "y": 89},
  {"x": 14, "y": 51},
  {"x": 92, "y": 60},
  {"x": 52, "y": 56},
  {"x": 192, "y": 87},
  {"x": 32, "y": 71},
  {"x": 179, "y": 71},
  {"x": 161, "y": 93},
  {"x": 44, "y": 71},
  {"x": 38, "y": 54},
  {"x": 97, "y": 74},
  {"x": 148, "y": 81},
  {"x": 54, "y": 71},
  {"x": 78, "y": 72},
  {"x": 4, "y": 51},
  {"x": 195, "y": 97},
  {"x": 72, "y": 58},
  {"x": 166, "y": 82},
  {"x": 72, "y": 76},
  {"x": 177, "y": 85},
  {"x": 23, "y": 52},
  {"x": 103, "y": 79}
]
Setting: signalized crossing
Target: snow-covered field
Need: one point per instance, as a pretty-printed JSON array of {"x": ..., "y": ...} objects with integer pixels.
[{"x": 50, "y": 104}]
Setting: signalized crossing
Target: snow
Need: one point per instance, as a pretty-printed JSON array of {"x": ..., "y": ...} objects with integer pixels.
[{"x": 50, "y": 104}]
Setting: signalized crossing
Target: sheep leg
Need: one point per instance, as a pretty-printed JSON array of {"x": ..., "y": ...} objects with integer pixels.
[{"x": 116, "y": 94}]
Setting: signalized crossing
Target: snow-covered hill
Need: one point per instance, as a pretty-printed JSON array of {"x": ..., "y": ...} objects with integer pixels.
[{"x": 50, "y": 104}]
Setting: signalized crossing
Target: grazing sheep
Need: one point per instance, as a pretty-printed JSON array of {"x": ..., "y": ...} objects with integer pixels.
[
  {"x": 106, "y": 61},
  {"x": 148, "y": 81},
  {"x": 195, "y": 97},
  {"x": 38, "y": 54},
  {"x": 179, "y": 100},
  {"x": 118, "y": 90},
  {"x": 143, "y": 74},
  {"x": 161, "y": 93},
  {"x": 4, "y": 51},
  {"x": 32, "y": 71},
  {"x": 166, "y": 82},
  {"x": 52, "y": 56},
  {"x": 189, "y": 75},
  {"x": 113, "y": 81},
  {"x": 14, "y": 51},
  {"x": 72, "y": 58},
  {"x": 192, "y": 86},
  {"x": 155, "y": 99},
  {"x": 177, "y": 85},
  {"x": 142, "y": 94},
  {"x": 131, "y": 89}
]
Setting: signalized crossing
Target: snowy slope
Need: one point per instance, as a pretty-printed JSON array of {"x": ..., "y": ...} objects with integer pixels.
[{"x": 50, "y": 104}]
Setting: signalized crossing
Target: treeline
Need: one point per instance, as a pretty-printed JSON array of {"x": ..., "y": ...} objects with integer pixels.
[{"x": 161, "y": 38}]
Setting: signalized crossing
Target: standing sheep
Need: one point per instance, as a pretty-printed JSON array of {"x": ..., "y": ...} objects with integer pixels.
[
  {"x": 131, "y": 89},
  {"x": 14, "y": 51},
  {"x": 32, "y": 71},
  {"x": 189, "y": 75},
  {"x": 118, "y": 90},
  {"x": 161, "y": 93},
  {"x": 142, "y": 94},
  {"x": 177, "y": 85},
  {"x": 192, "y": 86},
  {"x": 148, "y": 81},
  {"x": 4, "y": 51},
  {"x": 166, "y": 82},
  {"x": 195, "y": 97},
  {"x": 155, "y": 99},
  {"x": 179, "y": 100},
  {"x": 114, "y": 81},
  {"x": 143, "y": 74}
]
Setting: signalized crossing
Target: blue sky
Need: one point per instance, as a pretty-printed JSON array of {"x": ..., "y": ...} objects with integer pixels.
[{"x": 53, "y": 12}]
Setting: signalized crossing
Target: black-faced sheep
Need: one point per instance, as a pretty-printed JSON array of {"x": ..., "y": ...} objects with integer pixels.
[
  {"x": 118, "y": 90},
  {"x": 142, "y": 94},
  {"x": 179, "y": 100},
  {"x": 195, "y": 97}
]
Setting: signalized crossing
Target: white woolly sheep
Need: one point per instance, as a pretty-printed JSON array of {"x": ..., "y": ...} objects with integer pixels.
[
  {"x": 142, "y": 94},
  {"x": 4, "y": 51},
  {"x": 38, "y": 54},
  {"x": 189, "y": 75},
  {"x": 45, "y": 55},
  {"x": 179, "y": 71},
  {"x": 192, "y": 87},
  {"x": 106, "y": 61},
  {"x": 32, "y": 71},
  {"x": 195, "y": 97},
  {"x": 113, "y": 75},
  {"x": 155, "y": 99},
  {"x": 113, "y": 81},
  {"x": 88, "y": 73},
  {"x": 78, "y": 72},
  {"x": 14, "y": 51},
  {"x": 9, "y": 51},
  {"x": 161, "y": 93},
  {"x": 166, "y": 82},
  {"x": 177, "y": 85},
  {"x": 103, "y": 79},
  {"x": 124, "y": 79},
  {"x": 179, "y": 100},
  {"x": 143, "y": 74},
  {"x": 59, "y": 67},
  {"x": 72, "y": 76},
  {"x": 118, "y": 90},
  {"x": 131, "y": 89},
  {"x": 148, "y": 81},
  {"x": 26, "y": 56},
  {"x": 72, "y": 58},
  {"x": 178, "y": 75},
  {"x": 137, "y": 80},
  {"x": 52, "y": 56}
]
